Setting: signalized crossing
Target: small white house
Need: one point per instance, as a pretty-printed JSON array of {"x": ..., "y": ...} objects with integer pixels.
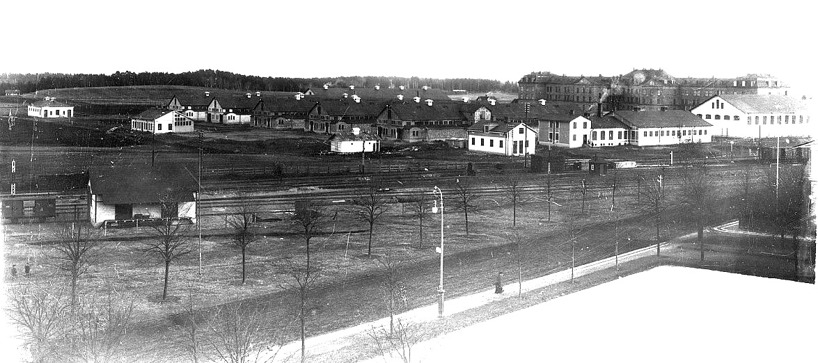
[
  {"x": 608, "y": 131},
  {"x": 354, "y": 142},
  {"x": 50, "y": 108},
  {"x": 159, "y": 121},
  {"x": 497, "y": 137},
  {"x": 133, "y": 195}
]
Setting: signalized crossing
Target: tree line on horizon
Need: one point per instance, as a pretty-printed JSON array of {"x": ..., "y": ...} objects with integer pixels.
[{"x": 29, "y": 82}]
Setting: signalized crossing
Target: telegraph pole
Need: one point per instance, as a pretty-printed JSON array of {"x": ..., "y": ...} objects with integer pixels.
[{"x": 198, "y": 201}]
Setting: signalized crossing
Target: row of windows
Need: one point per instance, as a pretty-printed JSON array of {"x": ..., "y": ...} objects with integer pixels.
[
  {"x": 610, "y": 135},
  {"x": 584, "y": 125},
  {"x": 491, "y": 142},
  {"x": 183, "y": 123},
  {"x": 678, "y": 133},
  {"x": 772, "y": 119},
  {"x": 718, "y": 117}
]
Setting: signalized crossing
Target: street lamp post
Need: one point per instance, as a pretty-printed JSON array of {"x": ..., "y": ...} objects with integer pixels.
[{"x": 440, "y": 291}]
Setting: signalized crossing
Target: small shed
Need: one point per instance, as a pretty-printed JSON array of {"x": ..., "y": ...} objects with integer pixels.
[
  {"x": 598, "y": 166},
  {"x": 355, "y": 142},
  {"x": 123, "y": 196}
]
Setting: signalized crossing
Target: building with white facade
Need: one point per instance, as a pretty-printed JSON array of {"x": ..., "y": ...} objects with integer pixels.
[
  {"x": 607, "y": 130},
  {"x": 505, "y": 138},
  {"x": 161, "y": 121},
  {"x": 232, "y": 110},
  {"x": 670, "y": 127},
  {"x": 354, "y": 141},
  {"x": 756, "y": 116},
  {"x": 50, "y": 108}
]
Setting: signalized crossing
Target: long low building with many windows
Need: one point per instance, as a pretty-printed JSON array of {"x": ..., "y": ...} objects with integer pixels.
[
  {"x": 499, "y": 137},
  {"x": 756, "y": 116}
]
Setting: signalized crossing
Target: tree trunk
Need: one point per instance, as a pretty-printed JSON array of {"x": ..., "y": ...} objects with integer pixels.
[
  {"x": 165, "y": 289},
  {"x": 74, "y": 277},
  {"x": 514, "y": 222},
  {"x": 701, "y": 240},
  {"x": 303, "y": 332},
  {"x": 466, "y": 214},
  {"x": 243, "y": 260},
  {"x": 369, "y": 249},
  {"x": 420, "y": 223}
]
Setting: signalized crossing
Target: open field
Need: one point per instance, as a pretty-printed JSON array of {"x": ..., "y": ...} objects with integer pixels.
[{"x": 349, "y": 283}]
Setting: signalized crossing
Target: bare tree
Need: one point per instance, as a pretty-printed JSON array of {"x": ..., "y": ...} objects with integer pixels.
[
  {"x": 697, "y": 197},
  {"x": 310, "y": 220},
  {"x": 419, "y": 210},
  {"x": 369, "y": 206},
  {"x": 519, "y": 241},
  {"x": 514, "y": 191},
  {"x": 98, "y": 329},
  {"x": 239, "y": 333},
  {"x": 303, "y": 279},
  {"x": 549, "y": 192},
  {"x": 399, "y": 340},
  {"x": 74, "y": 253},
  {"x": 392, "y": 286},
  {"x": 654, "y": 202},
  {"x": 189, "y": 328},
  {"x": 614, "y": 185},
  {"x": 168, "y": 245},
  {"x": 39, "y": 313},
  {"x": 241, "y": 223},
  {"x": 465, "y": 199}
]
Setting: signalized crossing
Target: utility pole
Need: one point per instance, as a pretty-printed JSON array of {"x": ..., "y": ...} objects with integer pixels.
[
  {"x": 525, "y": 141},
  {"x": 198, "y": 201}
]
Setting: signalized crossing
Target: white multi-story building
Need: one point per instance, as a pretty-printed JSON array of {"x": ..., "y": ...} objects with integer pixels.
[
  {"x": 755, "y": 116},
  {"x": 160, "y": 121},
  {"x": 497, "y": 137},
  {"x": 50, "y": 108}
]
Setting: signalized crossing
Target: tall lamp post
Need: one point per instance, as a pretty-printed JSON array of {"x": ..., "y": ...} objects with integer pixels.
[{"x": 440, "y": 291}]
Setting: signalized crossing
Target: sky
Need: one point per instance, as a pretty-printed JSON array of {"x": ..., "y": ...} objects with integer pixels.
[{"x": 501, "y": 40}]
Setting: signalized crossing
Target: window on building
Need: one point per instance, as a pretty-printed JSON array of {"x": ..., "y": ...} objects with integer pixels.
[
  {"x": 602, "y": 135},
  {"x": 472, "y": 141},
  {"x": 717, "y": 117},
  {"x": 575, "y": 125},
  {"x": 170, "y": 127},
  {"x": 749, "y": 120},
  {"x": 159, "y": 127},
  {"x": 584, "y": 125},
  {"x": 491, "y": 142},
  {"x": 574, "y": 137},
  {"x": 645, "y": 133},
  {"x": 726, "y": 117},
  {"x": 707, "y": 117},
  {"x": 610, "y": 135},
  {"x": 593, "y": 135},
  {"x": 736, "y": 118},
  {"x": 800, "y": 119},
  {"x": 764, "y": 120},
  {"x": 501, "y": 144},
  {"x": 705, "y": 132},
  {"x": 700, "y": 132},
  {"x": 619, "y": 135},
  {"x": 672, "y": 132},
  {"x": 482, "y": 142},
  {"x": 786, "y": 119},
  {"x": 662, "y": 133},
  {"x": 700, "y": 115},
  {"x": 522, "y": 130}
]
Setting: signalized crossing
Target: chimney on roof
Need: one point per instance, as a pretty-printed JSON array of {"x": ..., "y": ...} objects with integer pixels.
[
  {"x": 298, "y": 96},
  {"x": 400, "y": 97},
  {"x": 258, "y": 93},
  {"x": 401, "y": 88},
  {"x": 429, "y": 101},
  {"x": 326, "y": 86},
  {"x": 345, "y": 95},
  {"x": 465, "y": 99},
  {"x": 207, "y": 93},
  {"x": 352, "y": 86},
  {"x": 542, "y": 101},
  {"x": 599, "y": 109},
  {"x": 425, "y": 88},
  {"x": 356, "y": 98},
  {"x": 248, "y": 94},
  {"x": 416, "y": 99},
  {"x": 570, "y": 112},
  {"x": 377, "y": 87},
  {"x": 356, "y": 131},
  {"x": 492, "y": 101}
]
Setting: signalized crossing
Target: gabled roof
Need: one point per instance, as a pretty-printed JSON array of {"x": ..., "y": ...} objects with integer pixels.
[
  {"x": 288, "y": 104},
  {"x": 50, "y": 103},
  {"x": 349, "y": 136},
  {"x": 348, "y": 107},
  {"x": 496, "y": 126},
  {"x": 764, "y": 103},
  {"x": 606, "y": 122},
  {"x": 238, "y": 103},
  {"x": 152, "y": 114},
  {"x": 129, "y": 185},
  {"x": 420, "y": 111},
  {"x": 669, "y": 118}
]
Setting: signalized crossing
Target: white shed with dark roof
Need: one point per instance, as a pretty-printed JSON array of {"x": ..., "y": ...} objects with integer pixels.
[
  {"x": 670, "y": 127},
  {"x": 50, "y": 108}
]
